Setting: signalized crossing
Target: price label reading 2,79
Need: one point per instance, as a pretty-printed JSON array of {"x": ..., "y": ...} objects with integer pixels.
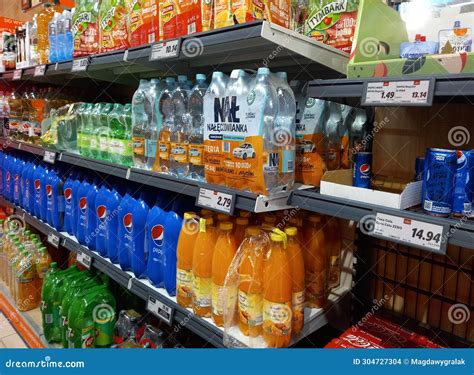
[{"x": 216, "y": 200}]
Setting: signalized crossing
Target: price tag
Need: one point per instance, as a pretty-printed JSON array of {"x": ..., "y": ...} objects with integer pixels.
[
  {"x": 399, "y": 92},
  {"x": 411, "y": 232},
  {"x": 49, "y": 157},
  {"x": 165, "y": 50},
  {"x": 84, "y": 259},
  {"x": 53, "y": 239},
  {"x": 216, "y": 200},
  {"x": 17, "y": 74},
  {"x": 161, "y": 310},
  {"x": 80, "y": 65},
  {"x": 39, "y": 70}
]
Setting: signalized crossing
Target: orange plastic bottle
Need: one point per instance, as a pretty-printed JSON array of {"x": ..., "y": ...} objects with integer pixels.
[
  {"x": 27, "y": 296},
  {"x": 334, "y": 245},
  {"x": 297, "y": 276},
  {"x": 42, "y": 264},
  {"x": 202, "y": 267},
  {"x": 184, "y": 253},
  {"x": 316, "y": 257},
  {"x": 224, "y": 253},
  {"x": 277, "y": 286},
  {"x": 42, "y": 21},
  {"x": 269, "y": 222},
  {"x": 241, "y": 224},
  {"x": 250, "y": 298},
  {"x": 223, "y": 217}
]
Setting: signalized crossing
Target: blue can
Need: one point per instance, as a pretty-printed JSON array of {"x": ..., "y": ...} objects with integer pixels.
[
  {"x": 462, "y": 200},
  {"x": 438, "y": 181},
  {"x": 362, "y": 174},
  {"x": 419, "y": 168}
]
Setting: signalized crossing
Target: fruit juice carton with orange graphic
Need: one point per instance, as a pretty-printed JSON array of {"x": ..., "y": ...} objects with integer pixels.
[
  {"x": 113, "y": 16},
  {"x": 144, "y": 22},
  {"x": 333, "y": 22},
  {"x": 179, "y": 18},
  {"x": 278, "y": 12},
  {"x": 85, "y": 29},
  {"x": 227, "y": 13}
]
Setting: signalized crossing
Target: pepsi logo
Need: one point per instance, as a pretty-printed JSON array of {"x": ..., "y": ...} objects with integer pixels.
[
  {"x": 49, "y": 191},
  {"x": 68, "y": 194},
  {"x": 16, "y": 178},
  {"x": 37, "y": 185},
  {"x": 461, "y": 162},
  {"x": 157, "y": 234},
  {"x": 101, "y": 212},
  {"x": 364, "y": 168},
  {"x": 83, "y": 204},
  {"x": 7, "y": 177},
  {"x": 128, "y": 222}
]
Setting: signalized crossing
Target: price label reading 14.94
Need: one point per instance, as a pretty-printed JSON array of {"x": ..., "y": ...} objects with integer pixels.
[
  {"x": 402, "y": 92},
  {"x": 411, "y": 232}
]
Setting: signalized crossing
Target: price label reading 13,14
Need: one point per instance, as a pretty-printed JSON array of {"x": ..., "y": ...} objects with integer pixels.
[
  {"x": 411, "y": 232},
  {"x": 409, "y": 92}
]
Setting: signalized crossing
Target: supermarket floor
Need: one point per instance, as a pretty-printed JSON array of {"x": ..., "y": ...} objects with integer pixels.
[{"x": 19, "y": 329}]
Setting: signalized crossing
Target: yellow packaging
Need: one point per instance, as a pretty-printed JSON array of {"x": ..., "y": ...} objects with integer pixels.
[
  {"x": 227, "y": 13},
  {"x": 278, "y": 12}
]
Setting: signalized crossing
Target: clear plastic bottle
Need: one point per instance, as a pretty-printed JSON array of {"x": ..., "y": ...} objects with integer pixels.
[
  {"x": 332, "y": 127},
  {"x": 53, "y": 37},
  {"x": 165, "y": 104},
  {"x": 43, "y": 19},
  {"x": 83, "y": 130},
  {"x": 195, "y": 123},
  {"x": 264, "y": 88},
  {"x": 34, "y": 41},
  {"x": 284, "y": 130},
  {"x": 140, "y": 122},
  {"x": 179, "y": 137},
  {"x": 154, "y": 124},
  {"x": 61, "y": 38}
]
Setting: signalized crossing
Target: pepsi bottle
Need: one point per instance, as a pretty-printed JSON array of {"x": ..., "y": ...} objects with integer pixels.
[
  {"x": 113, "y": 203},
  {"x": 68, "y": 204},
  {"x": 138, "y": 254},
  {"x": 39, "y": 172},
  {"x": 102, "y": 213},
  {"x": 82, "y": 211},
  {"x": 125, "y": 231},
  {"x": 91, "y": 228},
  {"x": 173, "y": 224},
  {"x": 75, "y": 202}
]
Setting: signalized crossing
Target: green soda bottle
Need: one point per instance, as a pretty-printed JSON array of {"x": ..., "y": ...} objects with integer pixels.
[
  {"x": 94, "y": 124},
  {"x": 102, "y": 316},
  {"x": 83, "y": 130},
  {"x": 102, "y": 132}
]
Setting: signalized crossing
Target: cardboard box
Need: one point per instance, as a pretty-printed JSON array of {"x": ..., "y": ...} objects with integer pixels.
[{"x": 338, "y": 184}]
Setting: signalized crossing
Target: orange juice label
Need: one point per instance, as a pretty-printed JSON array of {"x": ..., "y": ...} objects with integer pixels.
[
  {"x": 196, "y": 153},
  {"x": 189, "y": 17},
  {"x": 168, "y": 13},
  {"x": 184, "y": 283},
  {"x": 233, "y": 140},
  {"x": 277, "y": 318},
  {"x": 218, "y": 299},
  {"x": 310, "y": 165},
  {"x": 179, "y": 152},
  {"x": 247, "y": 10},
  {"x": 144, "y": 22},
  {"x": 207, "y": 12},
  {"x": 136, "y": 19},
  {"x": 113, "y": 25},
  {"x": 138, "y": 145},
  {"x": 222, "y": 14},
  {"x": 164, "y": 150},
  {"x": 297, "y": 305},
  {"x": 250, "y": 308},
  {"x": 278, "y": 12},
  {"x": 202, "y": 291}
]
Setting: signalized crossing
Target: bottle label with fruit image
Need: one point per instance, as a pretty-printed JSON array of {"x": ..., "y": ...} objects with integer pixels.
[{"x": 277, "y": 318}]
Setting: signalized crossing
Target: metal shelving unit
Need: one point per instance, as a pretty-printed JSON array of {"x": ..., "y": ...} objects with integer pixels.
[
  {"x": 247, "y": 45},
  {"x": 204, "y": 327}
]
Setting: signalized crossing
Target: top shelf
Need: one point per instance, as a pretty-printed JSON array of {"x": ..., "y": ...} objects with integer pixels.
[{"x": 248, "y": 45}]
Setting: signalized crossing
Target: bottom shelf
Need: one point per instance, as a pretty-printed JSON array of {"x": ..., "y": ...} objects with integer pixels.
[{"x": 336, "y": 311}]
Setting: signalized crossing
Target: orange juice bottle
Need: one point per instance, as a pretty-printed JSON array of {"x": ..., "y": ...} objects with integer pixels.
[
  {"x": 269, "y": 222},
  {"x": 224, "y": 253},
  {"x": 42, "y": 21},
  {"x": 251, "y": 286},
  {"x": 241, "y": 224},
  {"x": 223, "y": 217},
  {"x": 27, "y": 294},
  {"x": 202, "y": 267},
  {"x": 316, "y": 257},
  {"x": 206, "y": 213},
  {"x": 297, "y": 276},
  {"x": 298, "y": 223},
  {"x": 277, "y": 287},
  {"x": 184, "y": 253},
  {"x": 245, "y": 214},
  {"x": 334, "y": 245},
  {"x": 42, "y": 266}
]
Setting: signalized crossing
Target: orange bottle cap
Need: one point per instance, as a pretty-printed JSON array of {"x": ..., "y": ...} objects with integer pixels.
[
  {"x": 252, "y": 231},
  {"x": 291, "y": 231},
  {"x": 242, "y": 221},
  {"x": 226, "y": 225}
]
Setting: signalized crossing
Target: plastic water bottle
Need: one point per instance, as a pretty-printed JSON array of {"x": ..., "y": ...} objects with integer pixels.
[
  {"x": 196, "y": 129},
  {"x": 165, "y": 106},
  {"x": 265, "y": 90},
  {"x": 179, "y": 136},
  {"x": 53, "y": 37},
  {"x": 284, "y": 130},
  {"x": 68, "y": 40},
  {"x": 140, "y": 122},
  {"x": 154, "y": 125},
  {"x": 61, "y": 38}
]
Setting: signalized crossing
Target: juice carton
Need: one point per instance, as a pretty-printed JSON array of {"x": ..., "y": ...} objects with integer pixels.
[
  {"x": 180, "y": 17},
  {"x": 113, "y": 25},
  {"x": 278, "y": 12},
  {"x": 85, "y": 29},
  {"x": 227, "y": 13},
  {"x": 332, "y": 22},
  {"x": 169, "y": 11},
  {"x": 207, "y": 15},
  {"x": 144, "y": 22}
]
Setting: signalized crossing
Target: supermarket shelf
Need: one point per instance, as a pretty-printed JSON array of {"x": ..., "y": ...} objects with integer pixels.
[
  {"x": 204, "y": 327},
  {"x": 243, "y": 200},
  {"x": 247, "y": 45},
  {"x": 446, "y": 87},
  {"x": 458, "y": 232}
]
